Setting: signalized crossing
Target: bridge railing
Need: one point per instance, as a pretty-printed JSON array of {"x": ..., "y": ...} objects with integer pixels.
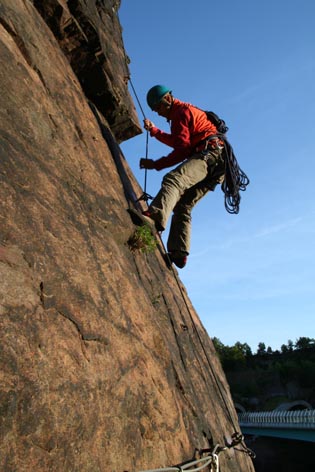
[{"x": 304, "y": 419}]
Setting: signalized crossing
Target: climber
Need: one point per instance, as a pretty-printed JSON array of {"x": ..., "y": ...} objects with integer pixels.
[{"x": 198, "y": 151}]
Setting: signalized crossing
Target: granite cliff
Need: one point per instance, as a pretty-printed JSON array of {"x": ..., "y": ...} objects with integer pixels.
[{"x": 105, "y": 365}]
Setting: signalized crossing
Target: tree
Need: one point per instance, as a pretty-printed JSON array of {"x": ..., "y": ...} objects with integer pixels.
[
  {"x": 232, "y": 357},
  {"x": 244, "y": 348},
  {"x": 304, "y": 343},
  {"x": 285, "y": 348},
  {"x": 219, "y": 346},
  {"x": 261, "y": 349},
  {"x": 290, "y": 345}
]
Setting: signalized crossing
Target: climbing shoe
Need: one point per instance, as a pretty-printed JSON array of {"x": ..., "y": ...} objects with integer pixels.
[
  {"x": 148, "y": 216},
  {"x": 179, "y": 258},
  {"x": 145, "y": 217}
]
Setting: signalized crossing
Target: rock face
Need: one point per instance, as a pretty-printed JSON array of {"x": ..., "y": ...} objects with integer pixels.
[{"x": 105, "y": 365}]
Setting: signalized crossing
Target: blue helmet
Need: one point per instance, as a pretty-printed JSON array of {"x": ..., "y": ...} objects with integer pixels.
[{"x": 155, "y": 95}]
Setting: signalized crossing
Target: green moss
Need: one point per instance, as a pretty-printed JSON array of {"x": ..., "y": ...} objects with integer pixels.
[{"x": 142, "y": 240}]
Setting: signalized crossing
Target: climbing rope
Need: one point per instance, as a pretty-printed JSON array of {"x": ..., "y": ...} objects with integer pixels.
[
  {"x": 145, "y": 196},
  {"x": 138, "y": 101},
  {"x": 229, "y": 416},
  {"x": 211, "y": 459},
  {"x": 207, "y": 461}
]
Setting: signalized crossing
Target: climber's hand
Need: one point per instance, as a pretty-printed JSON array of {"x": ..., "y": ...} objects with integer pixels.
[
  {"x": 148, "y": 124},
  {"x": 147, "y": 163}
]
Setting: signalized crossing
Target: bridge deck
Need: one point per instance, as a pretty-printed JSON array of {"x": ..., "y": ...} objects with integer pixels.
[{"x": 298, "y": 425}]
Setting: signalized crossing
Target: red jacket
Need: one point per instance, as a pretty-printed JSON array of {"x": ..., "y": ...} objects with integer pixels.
[{"x": 189, "y": 126}]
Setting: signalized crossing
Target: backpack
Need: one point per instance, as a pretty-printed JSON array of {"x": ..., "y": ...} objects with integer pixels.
[
  {"x": 235, "y": 179},
  {"x": 218, "y": 122}
]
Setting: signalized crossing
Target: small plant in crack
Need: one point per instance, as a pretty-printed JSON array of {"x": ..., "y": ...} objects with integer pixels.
[{"x": 142, "y": 240}]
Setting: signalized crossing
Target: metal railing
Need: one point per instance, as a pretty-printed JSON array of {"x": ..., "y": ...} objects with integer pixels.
[{"x": 302, "y": 419}]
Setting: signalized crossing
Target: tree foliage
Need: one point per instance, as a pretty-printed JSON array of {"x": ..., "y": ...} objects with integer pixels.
[
  {"x": 254, "y": 375},
  {"x": 242, "y": 351}
]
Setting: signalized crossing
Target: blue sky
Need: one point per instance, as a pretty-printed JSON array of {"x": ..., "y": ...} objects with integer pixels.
[{"x": 251, "y": 276}]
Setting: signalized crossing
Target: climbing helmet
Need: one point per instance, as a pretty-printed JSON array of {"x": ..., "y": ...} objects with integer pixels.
[{"x": 155, "y": 95}]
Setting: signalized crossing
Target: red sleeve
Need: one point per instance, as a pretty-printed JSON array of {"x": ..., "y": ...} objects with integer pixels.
[
  {"x": 161, "y": 136},
  {"x": 179, "y": 139}
]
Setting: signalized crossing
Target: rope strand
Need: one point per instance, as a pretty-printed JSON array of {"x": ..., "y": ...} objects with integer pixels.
[
  {"x": 211, "y": 459},
  {"x": 138, "y": 101},
  {"x": 145, "y": 196},
  {"x": 227, "y": 411}
]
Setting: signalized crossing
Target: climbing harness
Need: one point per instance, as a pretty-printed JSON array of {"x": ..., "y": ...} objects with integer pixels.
[
  {"x": 235, "y": 179},
  {"x": 208, "y": 458}
]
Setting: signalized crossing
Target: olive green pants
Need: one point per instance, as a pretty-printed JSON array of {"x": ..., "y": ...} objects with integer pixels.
[{"x": 181, "y": 190}]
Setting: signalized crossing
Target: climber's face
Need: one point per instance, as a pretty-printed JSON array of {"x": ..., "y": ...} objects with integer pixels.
[{"x": 163, "y": 107}]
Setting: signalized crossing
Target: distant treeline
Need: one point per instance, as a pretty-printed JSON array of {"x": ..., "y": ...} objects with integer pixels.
[
  {"x": 264, "y": 373},
  {"x": 240, "y": 354}
]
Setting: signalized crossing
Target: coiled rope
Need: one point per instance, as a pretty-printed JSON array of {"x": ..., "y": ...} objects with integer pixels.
[{"x": 235, "y": 179}]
